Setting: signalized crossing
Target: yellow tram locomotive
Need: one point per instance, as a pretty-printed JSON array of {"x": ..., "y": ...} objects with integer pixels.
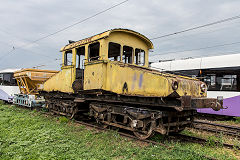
[{"x": 108, "y": 77}]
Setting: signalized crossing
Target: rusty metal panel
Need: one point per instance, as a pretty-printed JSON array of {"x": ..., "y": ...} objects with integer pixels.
[
  {"x": 213, "y": 103},
  {"x": 186, "y": 101}
]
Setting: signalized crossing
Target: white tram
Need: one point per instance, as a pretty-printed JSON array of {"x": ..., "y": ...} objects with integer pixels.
[
  {"x": 8, "y": 85},
  {"x": 220, "y": 73}
]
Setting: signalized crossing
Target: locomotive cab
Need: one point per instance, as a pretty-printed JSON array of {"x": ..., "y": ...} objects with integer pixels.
[
  {"x": 110, "y": 49},
  {"x": 119, "y": 46}
]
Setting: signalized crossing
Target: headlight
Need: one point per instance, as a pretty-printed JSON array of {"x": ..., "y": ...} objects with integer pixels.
[
  {"x": 175, "y": 85},
  {"x": 203, "y": 87}
]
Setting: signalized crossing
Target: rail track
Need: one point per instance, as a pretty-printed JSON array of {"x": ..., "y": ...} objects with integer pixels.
[
  {"x": 181, "y": 137},
  {"x": 94, "y": 126},
  {"x": 187, "y": 138},
  {"x": 217, "y": 128},
  {"x": 174, "y": 137},
  {"x": 122, "y": 134}
]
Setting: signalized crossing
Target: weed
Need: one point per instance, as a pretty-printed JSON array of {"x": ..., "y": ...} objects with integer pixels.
[
  {"x": 188, "y": 132},
  {"x": 2, "y": 102},
  {"x": 214, "y": 141},
  {"x": 158, "y": 137},
  {"x": 44, "y": 110},
  {"x": 237, "y": 119},
  {"x": 63, "y": 119},
  {"x": 220, "y": 140},
  {"x": 236, "y": 144}
]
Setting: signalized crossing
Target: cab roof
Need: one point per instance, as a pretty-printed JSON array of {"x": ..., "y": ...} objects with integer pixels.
[{"x": 105, "y": 35}]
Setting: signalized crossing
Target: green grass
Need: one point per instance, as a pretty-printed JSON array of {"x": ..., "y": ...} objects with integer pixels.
[
  {"x": 237, "y": 119},
  {"x": 63, "y": 119},
  {"x": 27, "y": 134}
]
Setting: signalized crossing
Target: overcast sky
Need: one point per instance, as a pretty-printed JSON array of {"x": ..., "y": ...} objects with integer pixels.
[{"x": 27, "y": 20}]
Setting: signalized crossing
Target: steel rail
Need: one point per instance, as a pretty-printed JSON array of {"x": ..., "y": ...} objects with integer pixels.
[
  {"x": 216, "y": 124},
  {"x": 228, "y": 130},
  {"x": 199, "y": 140},
  {"x": 122, "y": 134}
]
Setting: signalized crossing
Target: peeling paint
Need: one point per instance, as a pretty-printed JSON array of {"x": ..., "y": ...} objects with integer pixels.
[{"x": 140, "y": 81}]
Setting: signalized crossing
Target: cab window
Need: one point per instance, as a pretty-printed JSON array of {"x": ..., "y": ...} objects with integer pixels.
[
  {"x": 68, "y": 58},
  {"x": 114, "y": 50},
  {"x": 127, "y": 54},
  {"x": 80, "y": 57},
  {"x": 139, "y": 57},
  {"x": 93, "y": 51}
]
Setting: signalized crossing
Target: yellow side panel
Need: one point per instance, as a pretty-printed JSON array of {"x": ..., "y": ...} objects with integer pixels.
[
  {"x": 123, "y": 80},
  {"x": 94, "y": 76},
  {"x": 61, "y": 81},
  {"x": 132, "y": 80}
]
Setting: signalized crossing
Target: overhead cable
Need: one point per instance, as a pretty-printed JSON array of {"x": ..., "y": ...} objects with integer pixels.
[
  {"x": 65, "y": 28},
  {"x": 197, "y": 27},
  {"x": 76, "y": 23},
  {"x": 196, "y": 49}
]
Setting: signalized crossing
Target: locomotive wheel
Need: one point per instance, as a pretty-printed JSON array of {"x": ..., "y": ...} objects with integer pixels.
[{"x": 145, "y": 132}]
